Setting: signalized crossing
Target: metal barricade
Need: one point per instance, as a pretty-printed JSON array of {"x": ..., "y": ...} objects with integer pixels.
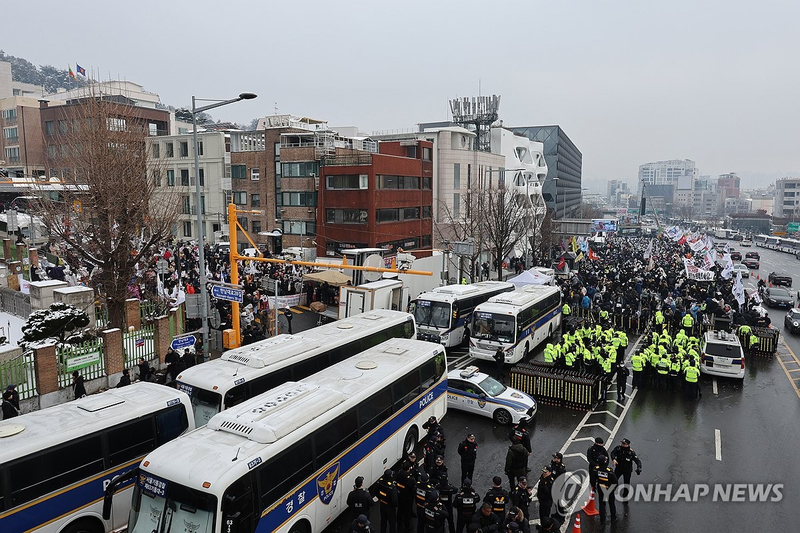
[{"x": 555, "y": 386}]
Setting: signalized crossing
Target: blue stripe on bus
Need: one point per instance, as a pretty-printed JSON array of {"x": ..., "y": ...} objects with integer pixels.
[
  {"x": 62, "y": 502},
  {"x": 273, "y": 518},
  {"x": 536, "y": 325},
  {"x": 499, "y": 401}
]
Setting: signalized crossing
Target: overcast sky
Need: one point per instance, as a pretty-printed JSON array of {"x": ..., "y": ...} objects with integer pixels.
[{"x": 716, "y": 81}]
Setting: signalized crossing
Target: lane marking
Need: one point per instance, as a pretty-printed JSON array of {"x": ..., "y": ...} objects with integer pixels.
[
  {"x": 785, "y": 370},
  {"x": 714, "y": 388},
  {"x": 598, "y": 424},
  {"x": 718, "y": 444}
]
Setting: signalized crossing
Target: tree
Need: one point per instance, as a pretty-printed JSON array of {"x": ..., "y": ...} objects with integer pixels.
[
  {"x": 464, "y": 225},
  {"x": 185, "y": 115},
  {"x": 113, "y": 211},
  {"x": 54, "y": 322},
  {"x": 504, "y": 211}
]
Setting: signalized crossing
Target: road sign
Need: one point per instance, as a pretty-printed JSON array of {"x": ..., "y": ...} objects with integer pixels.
[
  {"x": 183, "y": 342},
  {"x": 162, "y": 266},
  {"x": 793, "y": 227},
  {"x": 224, "y": 293}
]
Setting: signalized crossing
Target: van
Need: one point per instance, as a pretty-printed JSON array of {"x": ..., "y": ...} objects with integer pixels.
[
  {"x": 721, "y": 355},
  {"x": 24, "y": 203}
]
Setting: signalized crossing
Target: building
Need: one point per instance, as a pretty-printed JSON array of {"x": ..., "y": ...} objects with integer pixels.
[
  {"x": 23, "y": 151},
  {"x": 678, "y": 172},
  {"x": 752, "y": 223},
  {"x": 562, "y": 187},
  {"x": 370, "y": 195},
  {"x": 174, "y": 157},
  {"x": 615, "y": 191},
  {"x": 787, "y": 198},
  {"x": 727, "y": 188}
]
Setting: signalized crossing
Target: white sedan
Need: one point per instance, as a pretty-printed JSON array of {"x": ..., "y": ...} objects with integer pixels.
[{"x": 476, "y": 392}]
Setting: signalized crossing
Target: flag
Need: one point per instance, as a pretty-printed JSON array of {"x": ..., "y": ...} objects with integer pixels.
[
  {"x": 139, "y": 343},
  {"x": 592, "y": 255},
  {"x": 649, "y": 250},
  {"x": 561, "y": 264},
  {"x": 579, "y": 258},
  {"x": 574, "y": 244},
  {"x": 738, "y": 289},
  {"x": 71, "y": 74},
  {"x": 727, "y": 272},
  {"x": 756, "y": 297},
  {"x": 651, "y": 265},
  {"x": 81, "y": 70}
]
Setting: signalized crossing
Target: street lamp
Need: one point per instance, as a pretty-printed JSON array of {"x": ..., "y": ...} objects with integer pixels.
[
  {"x": 198, "y": 202},
  {"x": 556, "y": 206}
]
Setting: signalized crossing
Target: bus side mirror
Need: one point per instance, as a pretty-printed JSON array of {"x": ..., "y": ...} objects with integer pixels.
[{"x": 112, "y": 488}]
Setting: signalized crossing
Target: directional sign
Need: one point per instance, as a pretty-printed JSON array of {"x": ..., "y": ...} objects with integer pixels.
[
  {"x": 224, "y": 293},
  {"x": 183, "y": 342},
  {"x": 793, "y": 227}
]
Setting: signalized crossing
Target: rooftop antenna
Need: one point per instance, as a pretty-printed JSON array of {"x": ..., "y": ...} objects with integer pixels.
[
  {"x": 276, "y": 107},
  {"x": 237, "y": 454}
]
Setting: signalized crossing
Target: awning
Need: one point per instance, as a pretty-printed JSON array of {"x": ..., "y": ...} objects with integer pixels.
[
  {"x": 273, "y": 233},
  {"x": 331, "y": 277}
]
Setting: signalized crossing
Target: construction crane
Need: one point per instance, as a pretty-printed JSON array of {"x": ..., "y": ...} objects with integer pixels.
[{"x": 643, "y": 207}]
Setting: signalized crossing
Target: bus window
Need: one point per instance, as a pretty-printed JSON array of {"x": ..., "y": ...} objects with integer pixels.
[
  {"x": 374, "y": 410},
  {"x": 237, "y": 506},
  {"x": 129, "y": 441},
  {"x": 405, "y": 389},
  {"x": 170, "y": 424},
  {"x": 334, "y": 436}
]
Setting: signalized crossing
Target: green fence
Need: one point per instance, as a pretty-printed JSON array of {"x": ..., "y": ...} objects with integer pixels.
[
  {"x": 140, "y": 343},
  {"x": 87, "y": 358},
  {"x": 19, "y": 371},
  {"x": 101, "y": 316}
]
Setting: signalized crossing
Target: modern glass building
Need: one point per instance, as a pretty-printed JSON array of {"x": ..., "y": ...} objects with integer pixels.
[{"x": 562, "y": 187}]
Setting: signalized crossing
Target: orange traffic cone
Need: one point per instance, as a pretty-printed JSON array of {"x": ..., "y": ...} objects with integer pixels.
[
  {"x": 577, "y": 527},
  {"x": 589, "y": 508}
]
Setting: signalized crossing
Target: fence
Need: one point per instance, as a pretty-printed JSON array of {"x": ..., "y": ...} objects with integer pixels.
[
  {"x": 551, "y": 386},
  {"x": 140, "y": 343},
  {"x": 15, "y": 302},
  {"x": 19, "y": 371},
  {"x": 87, "y": 358},
  {"x": 101, "y": 316},
  {"x": 624, "y": 322}
]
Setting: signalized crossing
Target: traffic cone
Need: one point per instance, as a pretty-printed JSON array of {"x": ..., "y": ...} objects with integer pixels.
[
  {"x": 589, "y": 508},
  {"x": 577, "y": 527}
]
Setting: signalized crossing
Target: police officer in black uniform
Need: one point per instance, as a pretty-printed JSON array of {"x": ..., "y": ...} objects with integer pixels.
[
  {"x": 544, "y": 492},
  {"x": 437, "y": 469},
  {"x": 497, "y": 498},
  {"x": 388, "y": 499},
  {"x": 592, "y": 455},
  {"x": 466, "y": 505},
  {"x": 604, "y": 485},
  {"x": 624, "y": 457},
  {"x": 519, "y": 431},
  {"x": 521, "y": 496},
  {"x": 359, "y": 500},
  {"x": 435, "y": 514},
  {"x": 421, "y": 491},
  {"x": 360, "y": 525},
  {"x": 468, "y": 450},
  {"x": 486, "y": 519},
  {"x": 406, "y": 485},
  {"x": 415, "y": 468},
  {"x": 447, "y": 494},
  {"x": 433, "y": 449},
  {"x": 557, "y": 466}
]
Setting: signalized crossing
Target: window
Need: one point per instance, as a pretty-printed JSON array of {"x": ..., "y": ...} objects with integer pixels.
[
  {"x": 185, "y": 177},
  {"x": 299, "y": 169},
  {"x": 187, "y": 229},
  {"x": 410, "y": 213},
  {"x": 387, "y": 215},
  {"x": 202, "y": 177},
  {"x": 411, "y": 151},
  {"x": 51, "y": 150},
  {"x": 199, "y": 147},
  {"x": 9, "y": 114},
  {"x": 299, "y": 227},
  {"x": 255, "y": 174},
  {"x": 184, "y": 147},
  {"x": 297, "y": 461},
  {"x": 335, "y": 437},
  {"x": 426, "y": 184},
  {"x": 298, "y": 199},
  {"x": 170, "y": 149},
  {"x": 129, "y": 441},
  {"x": 156, "y": 151},
  {"x": 157, "y": 177},
  {"x": 456, "y": 205},
  {"x": 426, "y": 211},
  {"x": 255, "y": 226},
  {"x": 240, "y": 197},
  {"x": 398, "y": 182},
  {"x": 170, "y": 178},
  {"x": 152, "y": 129},
  {"x": 238, "y": 172},
  {"x": 426, "y": 154},
  {"x": 62, "y": 126},
  {"x": 456, "y": 175},
  {"x": 49, "y": 127},
  {"x": 346, "y": 216},
  {"x": 427, "y": 242},
  {"x": 112, "y": 123},
  {"x": 11, "y": 134},
  {"x": 242, "y": 222},
  {"x": 255, "y": 200},
  {"x": 374, "y": 410},
  {"x": 187, "y": 205},
  {"x": 347, "y": 181}
]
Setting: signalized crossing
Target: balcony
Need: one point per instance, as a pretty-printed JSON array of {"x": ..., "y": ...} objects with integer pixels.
[
  {"x": 12, "y": 140},
  {"x": 347, "y": 160}
]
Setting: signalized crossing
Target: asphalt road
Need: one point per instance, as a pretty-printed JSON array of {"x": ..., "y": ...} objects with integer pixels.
[{"x": 737, "y": 433}]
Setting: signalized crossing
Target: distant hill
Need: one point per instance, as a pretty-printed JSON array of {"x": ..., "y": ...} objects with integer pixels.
[{"x": 51, "y": 77}]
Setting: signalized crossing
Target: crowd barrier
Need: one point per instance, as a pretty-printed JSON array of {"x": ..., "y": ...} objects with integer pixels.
[
  {"x": 559, "y": 387},
  {"x": 767, "y": 341},
  {"x": 626, "y": 323}
]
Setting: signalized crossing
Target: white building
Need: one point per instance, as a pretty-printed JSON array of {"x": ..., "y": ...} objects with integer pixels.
[
  {"x": 678, "y": 172},
  {"x": 174, "y": 155},
  {"x": 787, "y": 198}
]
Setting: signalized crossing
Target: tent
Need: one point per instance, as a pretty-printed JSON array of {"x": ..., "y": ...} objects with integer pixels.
[
  {"x": 331, "y": 277},
  {"x": 530, "y": 277}
]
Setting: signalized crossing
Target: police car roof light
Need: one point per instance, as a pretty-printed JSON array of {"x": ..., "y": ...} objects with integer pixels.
[{"x": 469, "y": 372}]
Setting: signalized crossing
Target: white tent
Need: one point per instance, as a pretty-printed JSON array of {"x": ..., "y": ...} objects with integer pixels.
[{"x": 530, "y": 277}]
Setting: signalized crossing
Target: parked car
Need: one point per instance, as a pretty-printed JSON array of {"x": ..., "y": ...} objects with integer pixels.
[
  {"x": 778, "y": 297},
  {"x": 780, "y": 278},
  {"x": 792, "y": 320},
  {"x": 753, "y": 255},
  {"x": 473, "y": 391},
  {"x": 751, "y": 263},
  {"x": 747, "y": 243},
  {"x": 721, "y": 354},
  {"x": 741, "y": 268},
  {"x": 736, "y": 255}
]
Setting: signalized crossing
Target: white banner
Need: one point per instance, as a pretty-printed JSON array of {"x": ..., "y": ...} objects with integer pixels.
[
  {"x": 738, "y": 289},
  {"x": 696, "y": 273},
  {"x": 727, "y": 272},
  {"x": 284, "y": 301}
]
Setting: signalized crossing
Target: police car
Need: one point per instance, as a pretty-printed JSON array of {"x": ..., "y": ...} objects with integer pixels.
[
  {"x": 473, "y": 391},
  {"x": 721, "y": 355}
]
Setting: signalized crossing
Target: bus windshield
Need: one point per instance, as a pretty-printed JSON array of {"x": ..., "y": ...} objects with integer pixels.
[
  {"x": 205, "y": 404},
  {"x": 436, "y": 314},
  {"x": 166, "y": 507},
  {"x": 493, "y": 327}
]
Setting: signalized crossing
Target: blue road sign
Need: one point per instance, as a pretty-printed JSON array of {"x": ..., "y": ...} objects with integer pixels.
[
  {"x": 225, "y": 293},
  {"x": 183, "y": 342}
]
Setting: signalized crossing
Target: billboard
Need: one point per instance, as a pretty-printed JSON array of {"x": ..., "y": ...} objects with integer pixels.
[{"x": 604, "y": 224}]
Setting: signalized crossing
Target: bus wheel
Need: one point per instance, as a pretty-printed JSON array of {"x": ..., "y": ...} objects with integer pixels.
[
  {"x": 85, "y": 525},
  {"x": 410, "y": 442},
  {"x": 301, "y": 526},
  {"x": 502, "y": 417}
]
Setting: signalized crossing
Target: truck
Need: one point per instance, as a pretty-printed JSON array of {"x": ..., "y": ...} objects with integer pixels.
[
  {"x": 725, "y": 233},
  {"x": 382, "y": 294}
]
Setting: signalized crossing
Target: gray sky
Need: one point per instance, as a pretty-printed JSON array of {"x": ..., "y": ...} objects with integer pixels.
[{"x": 629, "y": 81}]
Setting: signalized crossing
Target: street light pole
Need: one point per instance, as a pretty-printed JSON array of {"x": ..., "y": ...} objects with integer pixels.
[{"x": 198, "y": 205}]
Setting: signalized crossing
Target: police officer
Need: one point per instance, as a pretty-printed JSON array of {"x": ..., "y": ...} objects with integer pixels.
[
  {"x": 433, "y": 426},
  {"x": 688, "y": 323},
  {"x": 557, "y": 466},
  {"x": 516, "y": 461},
  {"x": 434, "y": 514},
  {"x": 415, "y": 469},
  {"x": 405, "y": 482},
  {"x": 468, "y": 450},
  {"x": 544, "y": 493},
  {"x": 622, "y": 381},
  {"x": 593, "y": 455},
  {"x": 497, "y": 497},
  {"x": 437, "y": 470},
  {"x": 359, "y": 500},
  {"x": 421, "y": 491},
  {"x": 547, "y": 525},
  {"x": 637, "y": 364},
  {"x": 519, "y": 431},
  {"x": 466, "y": 504},
  {"x": 565, "y": 312},
  {"x": 623, "y": 458},
  {"x": 447, "y": 494},
  {"x": 522, "y": 495},
  {"x": 604, "y": 485},
  {"x": 360, "y": 525},
  {"x": 433, "y": 449},
  {"x": 486, "y": 519},
  {"x": 691, "y": 374},
  {"x": 500, "y": 360},
  {"x": 388, "y": 499}
]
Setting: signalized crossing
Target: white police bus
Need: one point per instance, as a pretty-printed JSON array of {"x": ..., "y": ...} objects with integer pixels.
[
  {"x": 55, "y": 463},
  {"x": 443, "y": 315},
  {"x": 516, "y": 322},
  {"x": 245, "y": 372},
  {"x": 284, "y": 461}
]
